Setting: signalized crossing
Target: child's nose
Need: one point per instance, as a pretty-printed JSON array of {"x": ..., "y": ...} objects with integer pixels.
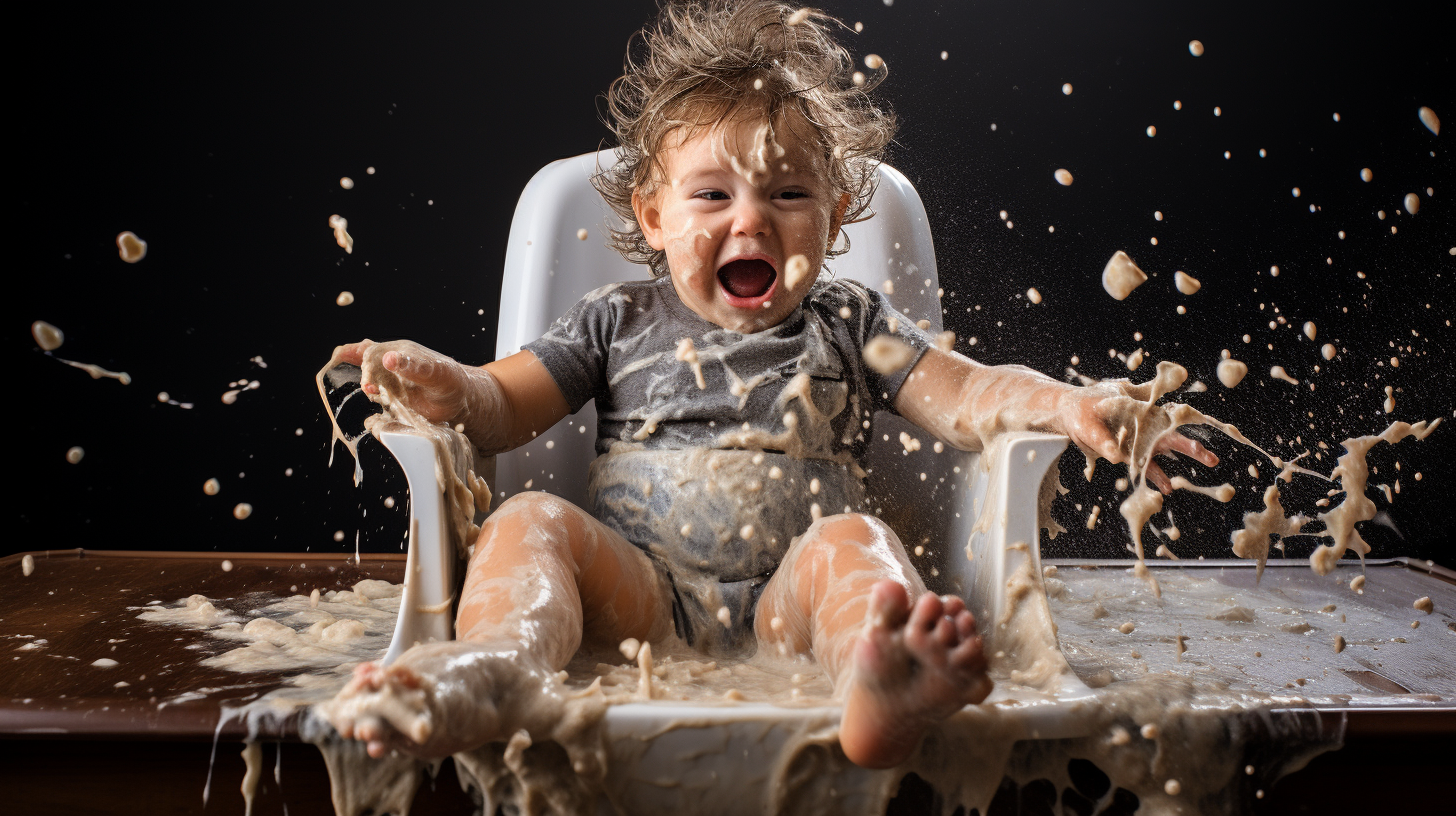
[{"x": 750, "y": 217}]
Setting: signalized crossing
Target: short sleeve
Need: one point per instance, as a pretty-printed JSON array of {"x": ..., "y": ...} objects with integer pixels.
[
  {"x": 574, "y": 350},
  {"x": 867, "y": 314}
]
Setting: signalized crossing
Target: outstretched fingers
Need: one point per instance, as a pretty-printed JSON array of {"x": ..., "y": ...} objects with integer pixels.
[{"x": 1178, "y": 443}]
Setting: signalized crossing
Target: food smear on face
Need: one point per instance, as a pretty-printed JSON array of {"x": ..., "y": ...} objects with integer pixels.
[
  {"x": 130, "y": 248},
  {"x": 48, "y": 337},
  {"x": 1120, "y": 276}
]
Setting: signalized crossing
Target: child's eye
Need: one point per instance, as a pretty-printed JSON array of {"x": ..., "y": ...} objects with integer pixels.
[
  {"x": 793, "y": 194},
  {"x": 712, "y": 195}
]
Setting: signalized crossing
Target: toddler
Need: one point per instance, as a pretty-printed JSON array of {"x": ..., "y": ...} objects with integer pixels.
[{"x": 733, "y": 395}]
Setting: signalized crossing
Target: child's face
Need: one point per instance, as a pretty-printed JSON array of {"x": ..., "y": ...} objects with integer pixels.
[{"x": 736, "y": 203}]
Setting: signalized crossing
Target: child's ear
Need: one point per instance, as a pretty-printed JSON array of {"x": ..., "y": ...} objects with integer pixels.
[
  {"x": 837, "y": 220},
  {"x": 649, "y": 219}
]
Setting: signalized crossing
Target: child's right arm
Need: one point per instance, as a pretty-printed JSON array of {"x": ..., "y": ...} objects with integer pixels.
[{"x": 501, "y": 405}]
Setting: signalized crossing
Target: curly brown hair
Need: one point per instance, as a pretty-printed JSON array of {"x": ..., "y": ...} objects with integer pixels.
[{"x": 702, "y": 62}]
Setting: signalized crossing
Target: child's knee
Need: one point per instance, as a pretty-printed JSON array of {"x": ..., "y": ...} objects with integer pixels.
[{"x": 851, "y": 529}]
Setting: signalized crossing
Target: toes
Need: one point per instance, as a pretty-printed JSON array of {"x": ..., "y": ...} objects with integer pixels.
[
  {"x": 945, "y": 634},
  {"x": 928, "y": 612},
  {"x": 889, "y": 605},
  {"x": 965, "y": 624},
  {"x": 953, "y": 605}
]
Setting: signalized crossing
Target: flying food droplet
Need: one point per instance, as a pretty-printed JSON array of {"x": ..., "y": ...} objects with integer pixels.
[
  {"x": 874, "y": 62},
  {"x": 1327, "y": 351},
  {"x": 1274, "y": 271},
  {"x": 340, "y": 226},
  {"x": 1134, "y": 360},
  {"x": 1412, "y": 203},
  {"x": 1296, "y": 192},
  {"x": 1152, "y": 131},
  {"x": 242, "y": 510},
  {"x": 887, "y": 354},
  {"x": 48, "y": 337},
  {"x": 1120, "y": 276},
  {"x": 75, "y": 455},
  {"x": 1033, "y": 295},
  {"x": 345, "y": 298},
  {"x": 1424, "y": 604},
  {"x": 1186, "y": 283},
  {"x": 27, "y": 564},
  {"x": 1309, "y": 329},
  {"x": 1263, "y": 153},
  {"x": 227, "y": 566},
  {"x": 1430, "y": 120},
  {"x": 347, "y": 183},
  {"x": 1067, "y": 88},
  {"x": 581, "y": 234},
  {"x": 211, "y": 487},
  {"x": 1172, "y": 787},
  {"x": 1217, "y": 111},
  {"x": 1231, "y": 372},
  {"x": 1064, "y": 178},
  {"x": 1177, "y": 104},
  {"x": 858, "y": 78},
  {"x": 1278, "y": 373},
  {"x": 1195, "y": 48},
  {"x": 794, "y": 19},
  {"x": 796, "y": 270},
  {"x": 130, "y": 248},
  {"x": 1365, "y": 174}
]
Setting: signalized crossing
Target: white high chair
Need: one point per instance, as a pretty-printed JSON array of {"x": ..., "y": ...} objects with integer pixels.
[{"x": 965, "y": 514}]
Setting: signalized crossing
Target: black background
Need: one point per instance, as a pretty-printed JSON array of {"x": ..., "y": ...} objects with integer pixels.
[{"x": 218, "y": 134}]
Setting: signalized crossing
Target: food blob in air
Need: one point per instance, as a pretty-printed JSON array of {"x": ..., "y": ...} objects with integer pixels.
[
  {"x": 130, "y": 248},
  {"x": 1120, "y": 276},
  {"x": 48, "y": 337},
  {"x": 1430, "y": 120}
]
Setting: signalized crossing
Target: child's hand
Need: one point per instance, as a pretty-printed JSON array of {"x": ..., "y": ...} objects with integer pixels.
[
  {"x": 433, "y": 385},
  {"x": 1089, "y": 418}
]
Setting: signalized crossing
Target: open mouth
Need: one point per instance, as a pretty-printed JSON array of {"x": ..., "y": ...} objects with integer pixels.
[{"x": 747, "y": 280}]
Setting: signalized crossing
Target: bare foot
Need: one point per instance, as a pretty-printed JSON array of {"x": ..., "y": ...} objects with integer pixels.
[
  {"x": 435, "y": 700},
  {"x": 913, "y": 667}
]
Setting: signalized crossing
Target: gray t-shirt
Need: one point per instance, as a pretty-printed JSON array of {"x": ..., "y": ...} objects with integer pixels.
[
  {"x": 714, "y": 482},
  {"x": 619, "y": 345}
]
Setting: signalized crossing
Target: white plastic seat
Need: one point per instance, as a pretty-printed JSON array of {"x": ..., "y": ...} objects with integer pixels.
[{"x": 966, "y": 515}]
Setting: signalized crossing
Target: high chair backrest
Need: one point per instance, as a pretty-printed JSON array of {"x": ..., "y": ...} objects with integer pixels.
[{"x": 557, "y": 253}]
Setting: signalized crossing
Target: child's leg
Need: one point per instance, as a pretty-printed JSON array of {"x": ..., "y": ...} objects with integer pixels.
[
  {"x": 845, "y": 591},
  {"x": 544, "y": 573}
]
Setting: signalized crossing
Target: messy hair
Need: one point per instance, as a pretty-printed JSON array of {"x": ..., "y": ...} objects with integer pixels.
[{"x": 705, "y": 61}]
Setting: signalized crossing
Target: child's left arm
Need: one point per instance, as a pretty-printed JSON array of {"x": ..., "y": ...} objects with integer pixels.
[{"x": 965, "y": 404}]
